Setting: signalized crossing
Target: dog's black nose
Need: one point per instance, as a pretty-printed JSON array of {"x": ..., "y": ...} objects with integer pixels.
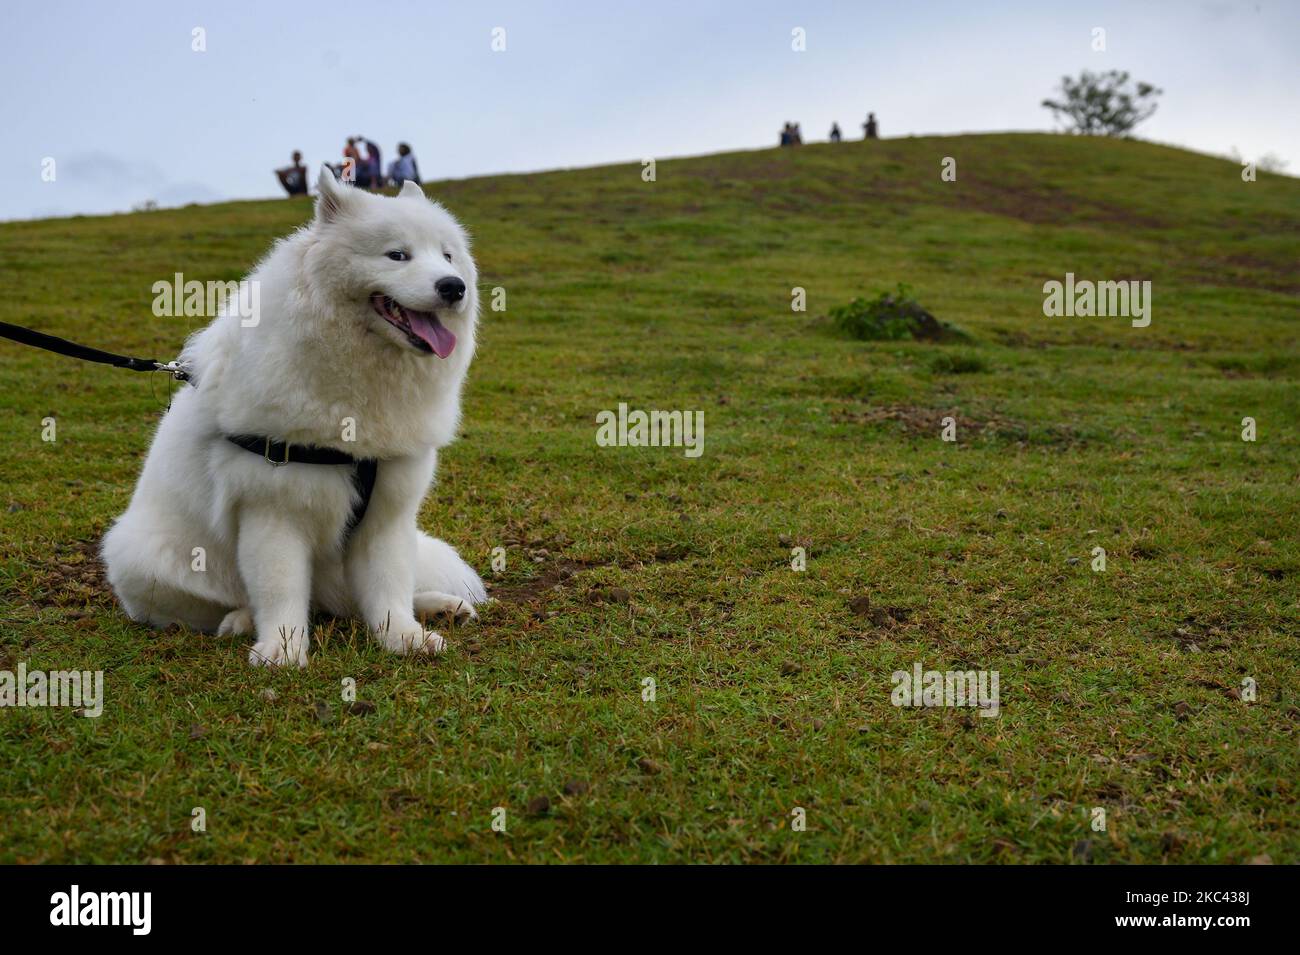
[{"x": 451, "y": 289}]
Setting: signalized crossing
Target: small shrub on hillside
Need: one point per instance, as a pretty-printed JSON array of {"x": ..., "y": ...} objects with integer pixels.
[{"x": 892, "y": 316}]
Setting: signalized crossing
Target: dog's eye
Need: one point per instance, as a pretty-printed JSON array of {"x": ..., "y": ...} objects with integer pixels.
[
  {"x": 447, "y": 256},
  {"x": 397, "y": 255}
]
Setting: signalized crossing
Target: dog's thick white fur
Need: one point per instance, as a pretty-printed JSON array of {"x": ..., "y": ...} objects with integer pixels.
[{"x": 218, "y": 539}]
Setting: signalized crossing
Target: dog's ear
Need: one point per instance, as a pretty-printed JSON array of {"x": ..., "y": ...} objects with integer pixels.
[
  {"x": 411, "y": 190},
  {"x": 332, "y": 196}
]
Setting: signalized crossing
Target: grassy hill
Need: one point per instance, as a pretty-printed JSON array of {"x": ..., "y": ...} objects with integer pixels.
[{"x": 1120, "y": 689}]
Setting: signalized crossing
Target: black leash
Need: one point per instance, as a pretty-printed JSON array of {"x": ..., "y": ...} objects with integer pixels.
[
  {"x": 278, "y": 453},
  {"x": 61, "y": 346}
]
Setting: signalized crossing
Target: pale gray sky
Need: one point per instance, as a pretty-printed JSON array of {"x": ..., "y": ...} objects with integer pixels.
[{"x": 129, "y": 111}]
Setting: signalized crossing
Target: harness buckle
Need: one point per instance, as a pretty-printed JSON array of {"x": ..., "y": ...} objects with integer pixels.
[
  {"x": 177, "y": 369},
  {"x": 270, "y": 460}
]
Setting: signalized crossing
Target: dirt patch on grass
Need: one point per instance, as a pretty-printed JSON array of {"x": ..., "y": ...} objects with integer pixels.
[
  {"x": 918, "y": 421},
  {"x": 1208, "y": 633},
  {"x": 73, "y": 577},
  {"x": 1244, "y": 270},
  {"x": 552, "y": 573},
  {"x": 1039, "y": 206},
  {"x": 1014, "y": 338}
]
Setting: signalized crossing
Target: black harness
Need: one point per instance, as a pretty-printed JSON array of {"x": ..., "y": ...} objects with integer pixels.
[{"x": 277, "y": 453}]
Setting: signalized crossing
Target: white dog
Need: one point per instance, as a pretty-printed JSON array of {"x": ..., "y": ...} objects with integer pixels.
[{"x": 360, "y": 346}]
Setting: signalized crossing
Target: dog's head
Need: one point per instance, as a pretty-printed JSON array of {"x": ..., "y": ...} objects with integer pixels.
[{"x": 402, "y": 262}]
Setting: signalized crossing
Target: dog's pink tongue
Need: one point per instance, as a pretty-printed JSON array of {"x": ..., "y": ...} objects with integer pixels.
[{"x": 440, "y": 338}]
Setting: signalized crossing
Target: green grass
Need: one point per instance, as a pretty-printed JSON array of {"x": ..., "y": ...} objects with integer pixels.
[{"x": 1117, "y": 687}]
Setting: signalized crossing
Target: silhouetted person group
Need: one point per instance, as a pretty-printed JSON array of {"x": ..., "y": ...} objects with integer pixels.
[
  {"x": 366, "y": 169},
  {"x": 791, "y": 135}
]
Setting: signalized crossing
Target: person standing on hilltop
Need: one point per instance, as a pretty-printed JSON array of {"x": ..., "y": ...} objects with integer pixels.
[
  {"x": 836, "y": 135},
  {"x": 403, "y": 168},
  {"x": 362, "y": 178},
  {"x": 371, "y": 166},
  {"x": 869, "y": 127},
  {"x": 294, "y": 178},
  {"x": 351, "y": 160}
]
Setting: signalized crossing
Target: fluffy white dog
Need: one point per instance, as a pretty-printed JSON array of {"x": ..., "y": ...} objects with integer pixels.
[{"x": 360, "y": 345}]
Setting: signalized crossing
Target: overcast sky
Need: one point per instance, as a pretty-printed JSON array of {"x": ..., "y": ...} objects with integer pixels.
[{"x": 129, "y": 111}]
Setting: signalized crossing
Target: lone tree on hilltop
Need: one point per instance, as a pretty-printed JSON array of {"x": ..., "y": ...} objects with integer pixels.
[{"x": 1103, "y": 104}]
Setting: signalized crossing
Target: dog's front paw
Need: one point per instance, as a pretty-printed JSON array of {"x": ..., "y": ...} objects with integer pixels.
[
  {"x": 431, "y": 602},
  {"x": 285, "y": 648},
  {"x": 409, "y": 636}
]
